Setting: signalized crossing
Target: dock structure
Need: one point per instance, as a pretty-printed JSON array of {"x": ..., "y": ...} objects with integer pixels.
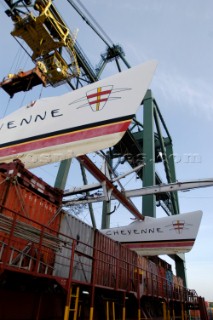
[{"x": 54, "y": 266}]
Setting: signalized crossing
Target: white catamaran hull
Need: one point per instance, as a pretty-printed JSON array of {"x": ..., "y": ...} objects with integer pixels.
[
  {"x": 86, "y": 120},
  {"x": 168, "y": 235}
]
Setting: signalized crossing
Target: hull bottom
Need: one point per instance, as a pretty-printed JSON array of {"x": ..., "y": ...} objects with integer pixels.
[
  {"x": 43, "y": 156},
  {"x": 161, "y": 247}
]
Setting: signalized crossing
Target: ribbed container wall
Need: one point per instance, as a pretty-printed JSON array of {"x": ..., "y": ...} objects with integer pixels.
[
  {"x": 180, "y": 282},
  {"x": 38, "y": 204},
  {"x": 175, "y": 281},
  {"x": 169, "y": 282},
  {"x": 116, "y": 264},
  {"x": 195, "y": 315},
  {"x": 143, "y": 263},
  {"x": 127, "y": 269},
  {"x": 107, "y": 255},
  {"x": 162, "y": 281},
  {"x": 31, "y": 205},
  {"x": 24, "y": 193},
  {"x": 143, "y": 269},
  {"x": 16, "y": 172},
  {"x": 210, "y": 313},
  {"x": 84, "y": 236},
  {"x": 152, "y": 281},
  {"x": 177, "y": 286}
]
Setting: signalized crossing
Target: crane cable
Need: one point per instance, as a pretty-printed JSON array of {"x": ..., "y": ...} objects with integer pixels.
[
  {"x": 106, "y": 40},
  {"x": 95, "y": 22}
]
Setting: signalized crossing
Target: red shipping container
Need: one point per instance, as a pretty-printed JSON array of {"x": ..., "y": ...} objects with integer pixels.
[
  {"x": 115, "y": 264},
  {"x": 143, "y": 270},
  {"x": 15, "y": 171},
  {"x": 107, "y": 253},
  {"x": 128, "y": 269},
  {"x": 28, "y": 204},
  {"x": 143, "y": 263},
  {"x": 195, "y": 315},
  {"x": 162, "y": 281},
  {"x": 152, "y": 278}
]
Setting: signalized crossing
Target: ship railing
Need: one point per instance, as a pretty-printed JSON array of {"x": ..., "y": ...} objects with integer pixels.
[
  {"x": 27, "y": 245},
  {"x": 158, "y": 286},
  {"x": 19, "y": 259}
]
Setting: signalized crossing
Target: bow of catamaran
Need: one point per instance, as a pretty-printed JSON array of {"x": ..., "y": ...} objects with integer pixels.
[
  {"x": 91, "y": 118},
  {"x": 168, "y": 235}
]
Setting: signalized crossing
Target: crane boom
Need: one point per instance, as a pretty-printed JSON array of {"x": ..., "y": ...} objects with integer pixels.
[{"x": 171, "y": 187}]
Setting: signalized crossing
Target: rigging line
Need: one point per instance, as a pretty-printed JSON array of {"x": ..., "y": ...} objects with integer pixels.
[
  {"x": 15, "y": 61},
  {"x": 87, "y": 21},
  {"x": 28, "y": 232},
  {"x": 21, "y": 64},
  {"x": 18, "y": 60},
  {"x": 29, "y": 83},
  {"x": 3, "y": 181},
  {"x": 71, "y": 229},
  {"x": 20, "y": 197},
  {"x": 26, "y": 58},
  {"x": 130, "y": 179},
  {"x": 22, "y": 101},
  {"x": 95, "y": 22},
  {"x": 45, "y": 171},
  {"x": 20, "y": 44},
  {"x": 54, "y": 216},
  {"x": 8, "y": 103},
  {"x": 42, "y": 87}
]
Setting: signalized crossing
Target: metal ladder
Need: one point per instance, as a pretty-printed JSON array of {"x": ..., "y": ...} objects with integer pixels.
[
  {"x": 142, "y": 315},
  {"x": 74, "y": 300}
]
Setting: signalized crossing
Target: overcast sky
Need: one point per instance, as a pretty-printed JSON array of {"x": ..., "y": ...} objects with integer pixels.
[{"x": 179, "y": 35}]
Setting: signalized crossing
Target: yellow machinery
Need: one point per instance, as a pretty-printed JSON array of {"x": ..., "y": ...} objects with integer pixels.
[{"x": 47, "y": 36}]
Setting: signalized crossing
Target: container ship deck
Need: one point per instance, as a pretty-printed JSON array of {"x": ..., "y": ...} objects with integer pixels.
[{"x": 54, "y": 266}]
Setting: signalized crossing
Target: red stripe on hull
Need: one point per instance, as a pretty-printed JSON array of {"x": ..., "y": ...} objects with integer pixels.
[
  {"x": 177, "y": 244},
  {"x": 65, "y": 138}
]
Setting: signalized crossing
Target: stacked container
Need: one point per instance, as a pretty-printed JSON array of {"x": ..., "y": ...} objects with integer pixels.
[
  {"x": 74, "y": 229},
  {"x": 29, "y": 217}
]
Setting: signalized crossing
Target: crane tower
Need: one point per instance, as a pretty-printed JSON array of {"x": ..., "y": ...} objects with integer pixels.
[{"x": 58, "y": 59}]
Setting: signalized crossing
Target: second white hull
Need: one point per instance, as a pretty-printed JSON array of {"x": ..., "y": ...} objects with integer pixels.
[{"x": 156, "y": 236}]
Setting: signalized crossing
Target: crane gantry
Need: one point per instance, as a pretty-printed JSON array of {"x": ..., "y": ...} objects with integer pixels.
[
  {"x": 38, "y": 24},
  {"x": 53, "y": 48},
  {"x": 58, "y": 58}
]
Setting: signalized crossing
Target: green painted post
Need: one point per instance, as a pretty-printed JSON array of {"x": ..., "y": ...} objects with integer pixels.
[
  {"x": 171, "y": 162},
  {"x": 105, "y": 222},
  {"x": 106, "y": 206},
  {"x": 181, "y": 267},
  {"x": 149, "y": 202},
  {"x": 63, "y": 171},
  {"x": 169, "y": 169},
  {"x": 92, "y": 216}
]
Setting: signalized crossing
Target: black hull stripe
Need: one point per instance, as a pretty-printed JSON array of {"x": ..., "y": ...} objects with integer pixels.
[
  {"x": 64, "y": 131},
  {"x": 159, "y": 241}
]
